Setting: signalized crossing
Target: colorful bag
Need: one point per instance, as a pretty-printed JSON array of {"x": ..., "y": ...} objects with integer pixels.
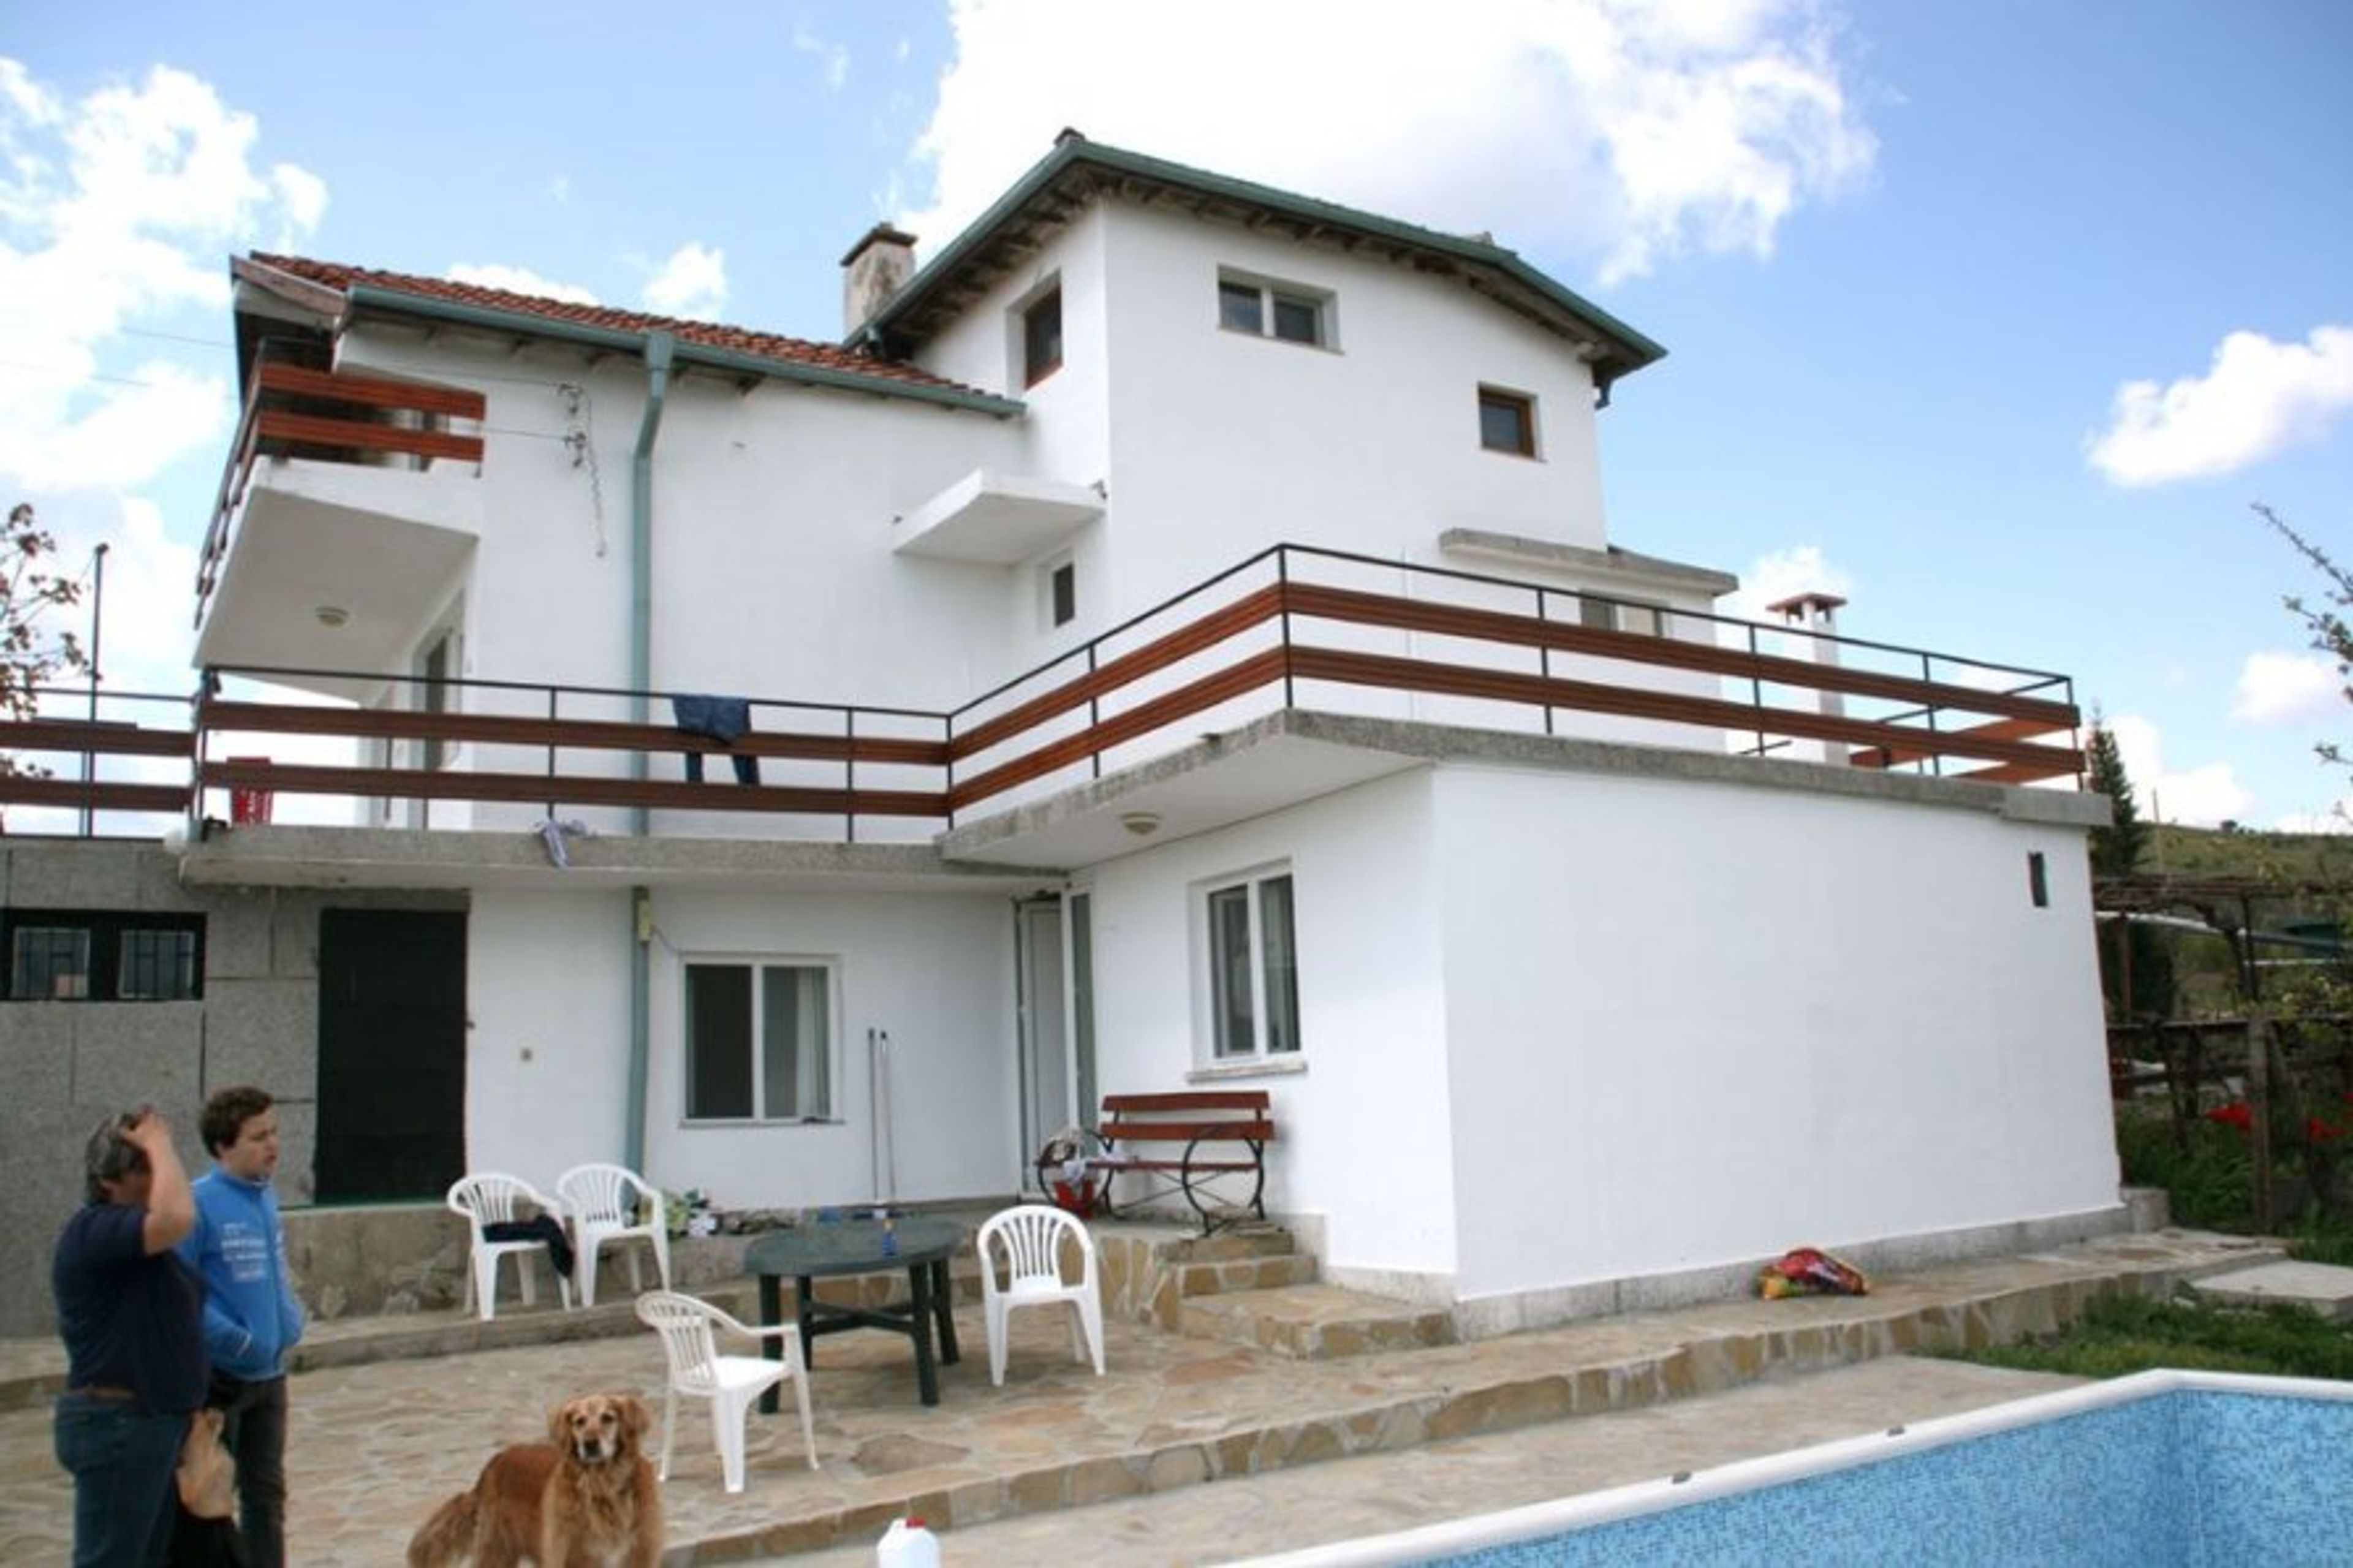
[{"x": 1808, "y": 1271}]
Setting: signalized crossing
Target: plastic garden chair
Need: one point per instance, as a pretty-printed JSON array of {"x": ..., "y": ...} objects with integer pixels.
[
  {"x": 1029, "y": 1240},
  {"x": 602, "y": 1203},
  {"x": 492, "y": 1197},
  {"x": 731, "y": 1382}
]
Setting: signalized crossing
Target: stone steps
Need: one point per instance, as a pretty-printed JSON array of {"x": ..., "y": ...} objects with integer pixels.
[{"x": 1316, "y": 1323}]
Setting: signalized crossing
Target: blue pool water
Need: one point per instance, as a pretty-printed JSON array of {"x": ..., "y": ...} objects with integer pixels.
[
  {"x": 2189, "y": 1478},
  {"x": 2198, "y": 1471}
]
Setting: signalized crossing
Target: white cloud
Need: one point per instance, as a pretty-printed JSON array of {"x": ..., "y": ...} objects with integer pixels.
[
  {"x": 2258, "y": 399},
  {"x": 2204, "y": 797},
  {"x": 2336, "y": 818},
  {"x": 519, "y": 281},
  {"x": 833, "y": 57},
  {"x": 1782, "y": 575},
  {"x": 1624, "y": 132},
  {"x": 115, "y": 211},
  {"x": 2288, "y": 688},
  {"x": 692, "y": 283}
]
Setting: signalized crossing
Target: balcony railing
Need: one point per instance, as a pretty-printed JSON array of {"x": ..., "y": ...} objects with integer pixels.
[
  {"x": 333, "y": 416},
  {"x": 1291, "y": 627}
]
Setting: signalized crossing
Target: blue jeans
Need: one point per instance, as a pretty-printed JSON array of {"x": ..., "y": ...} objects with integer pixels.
[
  {"x": 254, "y": 1432},
  {"x": 121, "y": 1464}
]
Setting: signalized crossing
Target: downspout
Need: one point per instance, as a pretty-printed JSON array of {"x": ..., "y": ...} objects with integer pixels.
[{"x": 660, "y": 349}]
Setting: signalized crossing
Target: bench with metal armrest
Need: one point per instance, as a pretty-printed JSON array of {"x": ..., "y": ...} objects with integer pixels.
[{"x": 1207, "y": 1145}]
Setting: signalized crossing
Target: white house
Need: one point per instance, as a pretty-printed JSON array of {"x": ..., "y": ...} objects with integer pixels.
[{"x": 1180, "y": 643}]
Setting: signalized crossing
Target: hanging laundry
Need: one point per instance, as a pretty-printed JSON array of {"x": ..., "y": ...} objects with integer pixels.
[{"x": 719, "y": 718}]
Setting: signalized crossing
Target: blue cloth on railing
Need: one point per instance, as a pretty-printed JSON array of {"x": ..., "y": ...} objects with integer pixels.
[
  {"x": 543, "y": 1227},
  {"x": 721, "y": 719}
]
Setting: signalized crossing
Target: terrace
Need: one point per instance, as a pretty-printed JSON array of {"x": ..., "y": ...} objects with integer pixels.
[{"x": 1384, "y": 648}]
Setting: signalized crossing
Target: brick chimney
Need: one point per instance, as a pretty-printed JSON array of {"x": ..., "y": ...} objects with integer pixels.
[{"x": 872, "y": 272}]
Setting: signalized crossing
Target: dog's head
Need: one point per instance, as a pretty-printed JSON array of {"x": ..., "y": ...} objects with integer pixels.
[{"x": 597, "y": 1428}]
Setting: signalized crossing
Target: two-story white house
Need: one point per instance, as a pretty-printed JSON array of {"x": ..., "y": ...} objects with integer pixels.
[{"x": 1173, "y": 638}]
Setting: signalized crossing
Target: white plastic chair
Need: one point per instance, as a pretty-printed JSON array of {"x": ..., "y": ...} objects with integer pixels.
[
  {"x": 1030, "y": 1238},
  {"x": 730, "y": 1382},
  {"x": 598, "y": 1201},
  {"x": 492, "y": 1197}
]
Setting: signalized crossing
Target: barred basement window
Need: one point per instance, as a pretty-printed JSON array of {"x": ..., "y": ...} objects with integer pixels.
[{"x": 103, "y": 955}]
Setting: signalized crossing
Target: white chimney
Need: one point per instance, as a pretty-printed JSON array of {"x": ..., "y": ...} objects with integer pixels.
[
  {"x": 1817, "y": 613},
  {"x": 873, "y": 270}
]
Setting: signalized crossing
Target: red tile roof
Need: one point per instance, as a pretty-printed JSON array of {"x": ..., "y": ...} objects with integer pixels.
[{"x": 709, "y": 335}]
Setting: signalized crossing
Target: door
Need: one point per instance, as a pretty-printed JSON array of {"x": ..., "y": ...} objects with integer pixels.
[
  {"x": 1044, "y": 1042},
  {"x": 391, "y": 1054}
]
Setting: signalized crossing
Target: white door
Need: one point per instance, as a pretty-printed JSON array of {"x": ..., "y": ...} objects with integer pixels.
[{"x": 1040, "y": 994}]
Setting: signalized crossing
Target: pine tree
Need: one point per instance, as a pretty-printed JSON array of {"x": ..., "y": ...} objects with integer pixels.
[{"x": 2130, "y": 953}]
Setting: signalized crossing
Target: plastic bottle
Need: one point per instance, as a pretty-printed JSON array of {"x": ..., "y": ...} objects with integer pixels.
[{"x": 907, "y": 1544}]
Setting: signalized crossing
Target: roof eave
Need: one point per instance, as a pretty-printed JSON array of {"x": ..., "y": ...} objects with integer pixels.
[
  {"x": 1624, "y": 350},
  {"x": 392, "y": 302}
]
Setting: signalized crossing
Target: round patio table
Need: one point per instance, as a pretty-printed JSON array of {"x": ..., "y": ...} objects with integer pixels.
[{"x": 807, "y": 1252}]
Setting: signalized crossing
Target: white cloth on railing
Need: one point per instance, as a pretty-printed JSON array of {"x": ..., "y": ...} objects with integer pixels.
[{"x": 552, "y": 833}]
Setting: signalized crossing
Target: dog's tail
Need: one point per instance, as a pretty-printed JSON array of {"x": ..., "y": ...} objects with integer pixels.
[{"x": 447, "y": 1536}]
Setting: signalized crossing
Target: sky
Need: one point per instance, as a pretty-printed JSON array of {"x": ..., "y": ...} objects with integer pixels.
[{"x": 1997, "y": 318}]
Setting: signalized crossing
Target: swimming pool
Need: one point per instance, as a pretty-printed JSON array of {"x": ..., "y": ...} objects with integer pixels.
[{"x": 2163, "y": 1468}]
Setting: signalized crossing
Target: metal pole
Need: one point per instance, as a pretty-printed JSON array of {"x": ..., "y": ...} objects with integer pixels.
[{"x": 97, "y": 625}]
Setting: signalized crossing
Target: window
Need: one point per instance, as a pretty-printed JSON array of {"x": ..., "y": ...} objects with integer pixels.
[
  {"x": 1041, "y": 338},
  {"x": 101, "y": 955},
  {"x": 1058, "y": 593},
  {"x": 1253, "y": 978},
  {"x": 435, "y": 671},
  {"x": 1621, "y": 615},
  {"x": 1274, "y": 310},
  {"x": 759, "y": 1041},
  {"x": 1507, "y": 422},
  {"x": 2038, "y": 879}
]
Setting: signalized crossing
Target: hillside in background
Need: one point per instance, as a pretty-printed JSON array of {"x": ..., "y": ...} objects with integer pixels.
[{"x": 2203, "y": 852}]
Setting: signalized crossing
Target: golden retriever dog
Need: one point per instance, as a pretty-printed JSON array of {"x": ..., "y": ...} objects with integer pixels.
[{"x": 585, "y": 1499}]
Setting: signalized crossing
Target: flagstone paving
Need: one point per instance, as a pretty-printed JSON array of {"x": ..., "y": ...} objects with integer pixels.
[{"x": 375, "y": 1445}]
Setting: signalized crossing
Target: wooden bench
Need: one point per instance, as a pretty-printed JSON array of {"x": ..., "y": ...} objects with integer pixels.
[{"x": 1220, "y": 1168}]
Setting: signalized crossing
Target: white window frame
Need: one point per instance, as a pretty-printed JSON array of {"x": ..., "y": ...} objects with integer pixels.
[
  {"x": 824, "y": 1088},
  {"x": 1272, "y": 293},
  {"x": 1247, "y": 971}
]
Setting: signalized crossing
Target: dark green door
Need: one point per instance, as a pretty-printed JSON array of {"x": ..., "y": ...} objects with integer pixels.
[{"x": 391, "y": 1054}]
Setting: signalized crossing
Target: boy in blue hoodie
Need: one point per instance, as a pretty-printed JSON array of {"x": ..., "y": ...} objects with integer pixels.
[{"x": 252, "y": 1316}]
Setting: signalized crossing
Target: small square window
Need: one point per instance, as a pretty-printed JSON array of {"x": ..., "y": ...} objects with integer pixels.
[
  {"x": 1289, "y": 314},
  {"x": 1041, "y": 338},
  {"x": 1297, "y": 321},
  {"x": 1507, "y": 422},
  {"x": 1240, "y": 308}
]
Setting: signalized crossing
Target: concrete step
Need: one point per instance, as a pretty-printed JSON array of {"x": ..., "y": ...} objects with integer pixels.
[
  {"x": 1315, "y": 1322},
  {"x": 2323, "y": 1288}
]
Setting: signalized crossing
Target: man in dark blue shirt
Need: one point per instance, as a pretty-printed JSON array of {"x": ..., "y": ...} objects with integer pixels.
[{"x": 131, "y": 1312}]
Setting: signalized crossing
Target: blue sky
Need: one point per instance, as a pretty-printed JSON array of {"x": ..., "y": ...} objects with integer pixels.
[{"x": 1993, "y": 317}]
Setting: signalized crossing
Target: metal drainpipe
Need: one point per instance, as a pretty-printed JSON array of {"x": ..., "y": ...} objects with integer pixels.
[{"x": 660, "y": 348}]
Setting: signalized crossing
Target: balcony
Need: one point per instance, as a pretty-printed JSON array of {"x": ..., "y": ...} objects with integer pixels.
[
  {"x": 348, "y": 512},
  {"x": 1294, "y": 673}
]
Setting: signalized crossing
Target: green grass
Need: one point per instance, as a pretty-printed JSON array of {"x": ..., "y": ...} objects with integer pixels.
[{"x": 2129, "y": 1334}]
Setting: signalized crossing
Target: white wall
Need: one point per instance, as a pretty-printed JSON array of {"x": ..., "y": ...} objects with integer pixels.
[
  {"x": 1361, "y": 1130},
  {"x": 547, "y": 1068},
  {"x": 935, "y": 970},
  {"x": 1225, "y": 443},
  {"x": 547, "y": 1041},
  {"x": 1694, "y": 1024}
]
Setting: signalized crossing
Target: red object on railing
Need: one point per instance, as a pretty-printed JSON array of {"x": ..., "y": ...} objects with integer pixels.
[{"x": 250, "y": 805}]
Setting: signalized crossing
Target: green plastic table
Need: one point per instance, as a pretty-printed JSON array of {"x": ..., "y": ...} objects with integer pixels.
[{"x": 811, "y": 1251}]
